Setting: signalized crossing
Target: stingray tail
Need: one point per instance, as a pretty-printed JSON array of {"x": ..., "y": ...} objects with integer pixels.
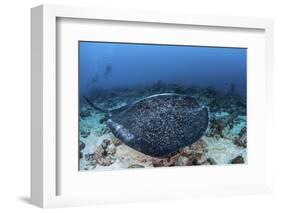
[{"x": 94, "y": 106}]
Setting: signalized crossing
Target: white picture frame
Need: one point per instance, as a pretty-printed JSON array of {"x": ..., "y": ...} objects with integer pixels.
[{"x": 45, "y": 178}]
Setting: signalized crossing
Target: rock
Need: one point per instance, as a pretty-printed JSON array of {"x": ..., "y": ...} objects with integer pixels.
[
  {"x": 105, "y": 143},
  {"x": 111, "y": 149},
  {"x": 103, "y": 119},
  {"x": 144, "y": 160},
  {"x": 85, "y": 133},
  {"x": 93, "y": 163},
  {"x": 192, "y": 155},
  {"x": 199, "y": 159},
  {"x": 220, "y": 127},
  {"x": 81, "y": 145},
  {"x": 85, "y": 112},
  {"x": 164, "y": 162},
  {"x": 115, "y": 141},
  {"x": 105, "y": 152},
  {"x": 183, "y": 161},
  {"x": 199, "y": 146},
  {"x": 191, "y": 159},
  {"x": 167, "y": 161},
  {"x": 238, "y": 160},
  {"x": 216, "y": 127},
  {"x": 135, "y": 166},
  {"x": 196, "y": 153},
  {"x": 90, "y": 158},
  {"x": 80, "y": 155},
  {"x": 158, "y": 163},
  {"x": 104, "y": 131},
  {"x": 214, "y": 104},
  {"x": 241, "y": 140},
  {"x": 211, "y": 161}
]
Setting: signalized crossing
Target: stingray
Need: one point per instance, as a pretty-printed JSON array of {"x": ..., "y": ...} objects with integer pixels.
[{"x": 158, "y": 125}]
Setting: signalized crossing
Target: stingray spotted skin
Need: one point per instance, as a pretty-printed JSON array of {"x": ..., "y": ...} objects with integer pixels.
[{"x": 160, "y": 124}]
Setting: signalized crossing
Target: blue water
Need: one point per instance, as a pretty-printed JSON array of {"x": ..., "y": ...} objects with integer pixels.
[{"x": 110, "y": 65}]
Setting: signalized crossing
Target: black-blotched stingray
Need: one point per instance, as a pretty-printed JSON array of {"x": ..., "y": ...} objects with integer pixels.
[{"x": 158, "y": 125}]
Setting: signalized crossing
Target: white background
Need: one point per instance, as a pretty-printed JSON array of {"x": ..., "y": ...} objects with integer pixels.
[
  {"x": 72, "y": 182},
  {"x": 15, "y": 105}
]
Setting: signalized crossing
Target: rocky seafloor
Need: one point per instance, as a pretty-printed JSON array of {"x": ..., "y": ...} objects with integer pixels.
[{"x": 224, "y": 142}]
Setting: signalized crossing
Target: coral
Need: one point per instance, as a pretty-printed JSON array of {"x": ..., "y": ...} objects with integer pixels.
[
  {"x": 220, "y": 126},
  {"x": 104, "y": 154},
  {"x": 241, "y": 139},
  {"x": 191, "y": 155}
]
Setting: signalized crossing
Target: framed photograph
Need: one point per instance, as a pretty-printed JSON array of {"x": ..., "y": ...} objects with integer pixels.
[{"x": 149, "y": 106}]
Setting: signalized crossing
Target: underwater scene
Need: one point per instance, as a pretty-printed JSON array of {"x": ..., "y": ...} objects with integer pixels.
[{"x": 155, "y": 105}]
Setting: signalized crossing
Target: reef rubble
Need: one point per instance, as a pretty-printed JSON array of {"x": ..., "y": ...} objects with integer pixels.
[{"x": 109, "y": 153}]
